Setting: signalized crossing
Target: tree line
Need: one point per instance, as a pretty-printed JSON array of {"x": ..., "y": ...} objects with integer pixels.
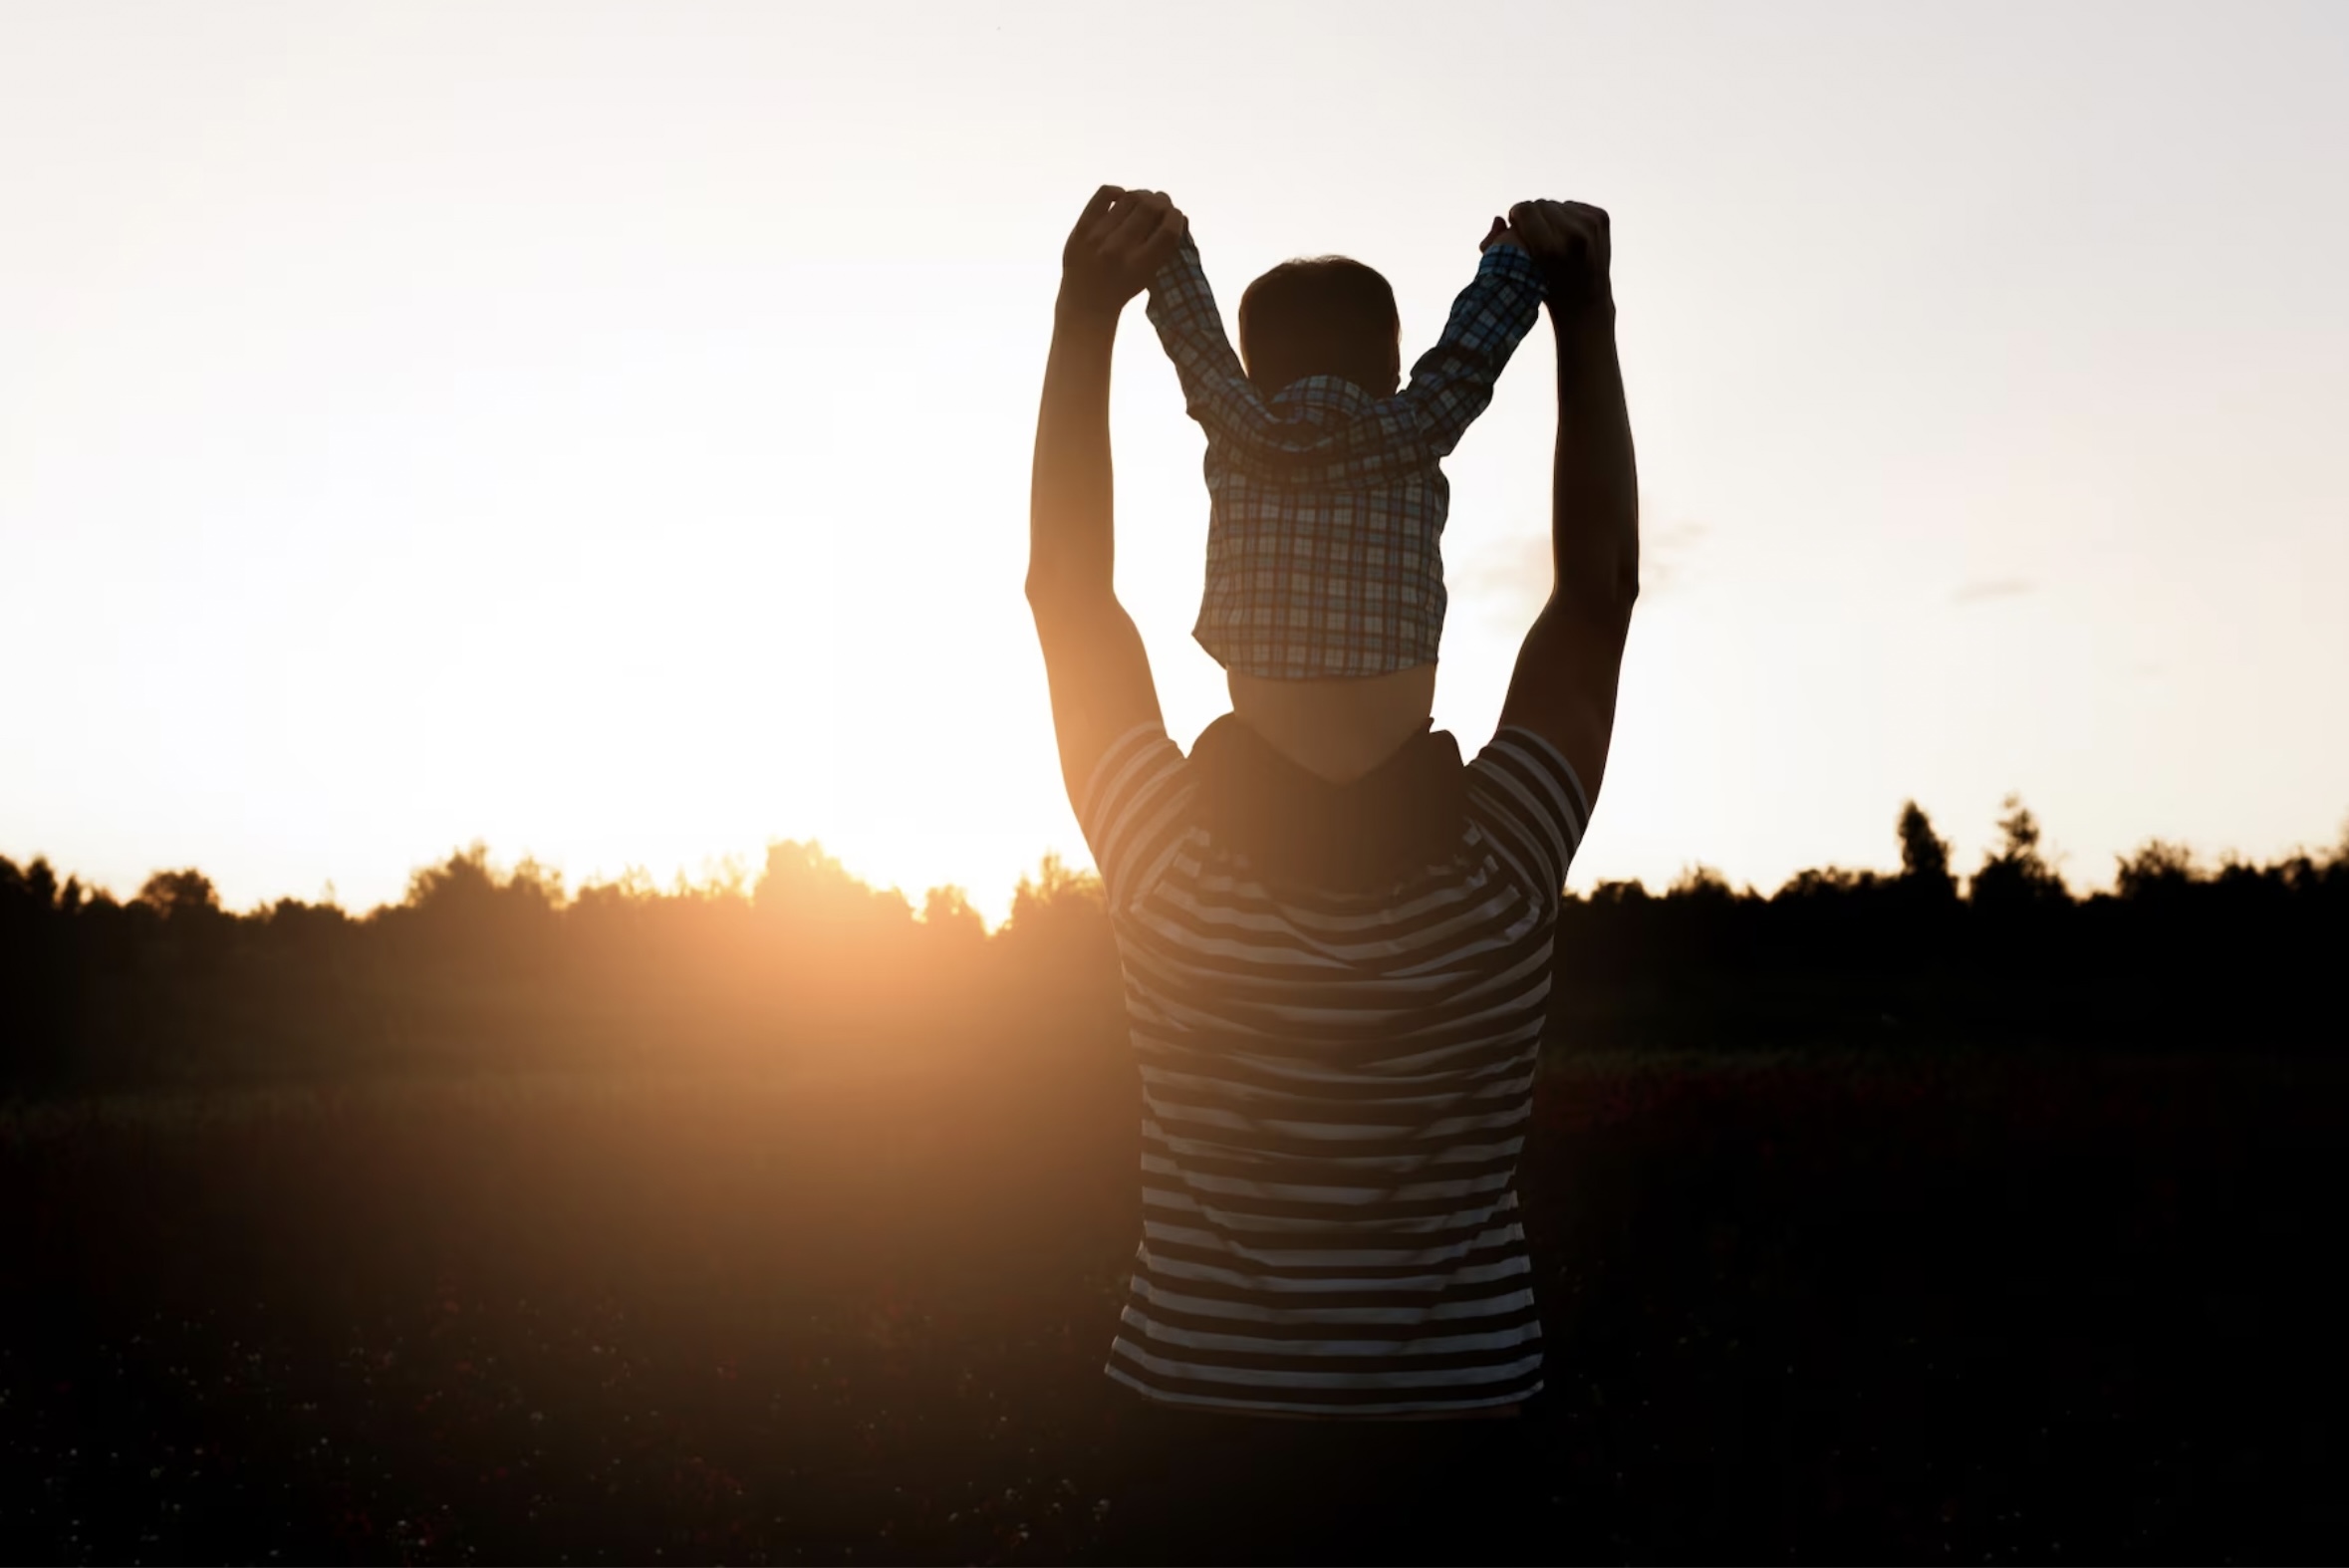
[{"x": 804, "y": 965}]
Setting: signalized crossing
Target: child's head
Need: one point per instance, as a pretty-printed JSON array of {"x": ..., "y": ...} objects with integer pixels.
[{"x": 1326, "y": 316}]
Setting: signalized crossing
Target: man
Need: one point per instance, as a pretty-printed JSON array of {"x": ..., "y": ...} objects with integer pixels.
[{"x": 1336, "y": 978}]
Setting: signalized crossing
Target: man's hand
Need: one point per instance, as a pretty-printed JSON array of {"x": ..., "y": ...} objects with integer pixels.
[
  {"x": 1569, "y": 241},
  {"x": 1123, "y": 238}
]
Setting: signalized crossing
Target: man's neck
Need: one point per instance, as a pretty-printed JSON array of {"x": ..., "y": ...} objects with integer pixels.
[{"x": 1336, "y": 729}]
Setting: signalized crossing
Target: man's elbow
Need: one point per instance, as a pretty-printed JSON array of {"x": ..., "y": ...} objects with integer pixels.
[
  {"x": 1603, "y": 598},
  {"x": 1046, "y": 595},
  {"x": 1624, "y": 589},
  {"x": 1058, "y": 596},
  {"x": 1622, "y": 593}
]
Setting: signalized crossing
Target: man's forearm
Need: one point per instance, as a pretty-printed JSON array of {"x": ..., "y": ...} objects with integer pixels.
[
  {"x": 1071, "y": 518},
  {"x": 1595, "y": 487}
]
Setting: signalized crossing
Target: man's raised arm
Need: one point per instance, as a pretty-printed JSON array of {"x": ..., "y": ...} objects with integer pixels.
[
  {"x": 1093, "y": 657},
  {"x": 1564, "y": 686}
]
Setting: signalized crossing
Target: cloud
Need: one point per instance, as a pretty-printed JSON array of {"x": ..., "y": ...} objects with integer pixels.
[
  {"x": 1984, "y": 589},
  {"x": 1509, "y": 580},
  {"x": 1511, "y": 577},
  {"x": 1665, "y": 553}
]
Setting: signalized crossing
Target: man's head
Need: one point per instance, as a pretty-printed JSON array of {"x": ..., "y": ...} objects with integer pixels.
[{"x": 1326, "y": 316}]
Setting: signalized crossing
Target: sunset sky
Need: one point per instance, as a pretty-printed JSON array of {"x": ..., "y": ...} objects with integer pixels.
[{"x": 602, "y": 430}]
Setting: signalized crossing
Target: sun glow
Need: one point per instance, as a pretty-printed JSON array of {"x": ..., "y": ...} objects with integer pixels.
[{"x": 610, "y": 441}]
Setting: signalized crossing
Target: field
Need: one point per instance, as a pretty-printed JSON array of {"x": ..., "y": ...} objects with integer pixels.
[{"x": 2022, "y": 1303}]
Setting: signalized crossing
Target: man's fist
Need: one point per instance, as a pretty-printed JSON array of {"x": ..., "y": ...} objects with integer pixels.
[
  {"x": 1122, "y": 238},
  {"x": 1569, "y": 241}
]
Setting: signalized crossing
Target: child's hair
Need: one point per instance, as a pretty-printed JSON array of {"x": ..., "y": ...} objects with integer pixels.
[{"x": 1320, "y": 316}]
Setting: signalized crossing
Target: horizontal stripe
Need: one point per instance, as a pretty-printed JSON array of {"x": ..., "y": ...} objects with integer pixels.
[
  {"x": 1366, "y": 1137},
  {"x": 1164, "y": 1394},
  {"x": 1201, "y": 1091},
  {"x": 1345, "y": 1286},
  {"x": 1507, "y": 1310},
  {"x": 1447, "y": 1160},
  {"x": 1386, "y": 1377},
  {"x": 1317, "y": 1194},
  {"x": 1259, "y": 1219},
  {"x": 1299, "y": 1253},
  {"x": 1227, "y": 1142},
  {"x": 1174, "y": 1304},
  {"x": 1469, "y": 1349}
]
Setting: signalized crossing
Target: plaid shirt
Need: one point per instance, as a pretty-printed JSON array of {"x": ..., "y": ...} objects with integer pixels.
[{"x": 1327, "y": 505}]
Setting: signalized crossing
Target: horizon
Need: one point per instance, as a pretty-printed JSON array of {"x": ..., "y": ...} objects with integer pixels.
[
  {"x": 736, "y": 876},
  {"x": 426, "y": 426}
]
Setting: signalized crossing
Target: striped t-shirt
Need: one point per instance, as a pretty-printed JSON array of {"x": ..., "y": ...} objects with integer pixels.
[{"x": 1335, "y": 1093}]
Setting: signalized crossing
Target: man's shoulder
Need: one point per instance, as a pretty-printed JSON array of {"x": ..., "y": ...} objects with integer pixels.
[
  {"x": 1515, "y": 750},
  {"x": 1135, "y": 761},
  {"x": 1523, "y": 789}
]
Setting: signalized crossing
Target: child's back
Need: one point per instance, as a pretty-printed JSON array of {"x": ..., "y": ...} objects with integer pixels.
[{"x": 1325, "y": 595}]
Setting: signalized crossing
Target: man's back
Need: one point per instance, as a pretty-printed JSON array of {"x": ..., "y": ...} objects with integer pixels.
[
  {"x": 1338, "y": 1009},
  {"x": 1336, "y": 1087}
]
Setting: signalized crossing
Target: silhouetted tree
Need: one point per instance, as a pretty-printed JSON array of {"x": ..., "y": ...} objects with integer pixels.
[
  {"x": 1059, "y": 916},
  {"x": 176, "y": 893},
  {"x": 1924, "y": 858},
  {"x": 947, "y": 914},
  {"x": 2017, "y": 874},
  {"x": 1829, "y": 883},
  {"x": 468, "y": 918},
  {"x": 39, "y": 1029},
  {"x": 801, "y": 884},
  {"x": 1701, "y": 884},
  {"x": 483, "y": 964},
  {"x": 2159, "y": 868}
]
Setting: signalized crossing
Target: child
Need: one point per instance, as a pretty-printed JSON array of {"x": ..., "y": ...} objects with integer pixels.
[{"x": 1327, "y": 504}]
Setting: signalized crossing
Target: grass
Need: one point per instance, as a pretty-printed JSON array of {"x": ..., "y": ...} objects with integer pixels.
[{"x": 1935, "y": 1306}]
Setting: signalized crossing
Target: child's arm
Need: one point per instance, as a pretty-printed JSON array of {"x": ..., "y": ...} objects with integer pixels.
[
  {"x": 1452, "y": 383},
  {"x": 1215, "y": 390}
]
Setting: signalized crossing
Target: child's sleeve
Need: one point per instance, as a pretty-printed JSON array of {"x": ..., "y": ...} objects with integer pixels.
[
  {"x": 1215, "y": 390},
  {"x": 1452, "y": 383}
]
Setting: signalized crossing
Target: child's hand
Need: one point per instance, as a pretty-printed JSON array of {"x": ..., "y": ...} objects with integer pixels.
[{"x": 1122, "y": 238}]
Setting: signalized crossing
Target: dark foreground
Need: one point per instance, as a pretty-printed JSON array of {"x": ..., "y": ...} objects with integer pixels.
[{"x": 2021, "y": 1305}]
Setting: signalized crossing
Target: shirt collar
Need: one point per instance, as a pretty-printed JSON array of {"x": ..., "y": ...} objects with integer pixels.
[{"x": 1321, "y": 399}]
